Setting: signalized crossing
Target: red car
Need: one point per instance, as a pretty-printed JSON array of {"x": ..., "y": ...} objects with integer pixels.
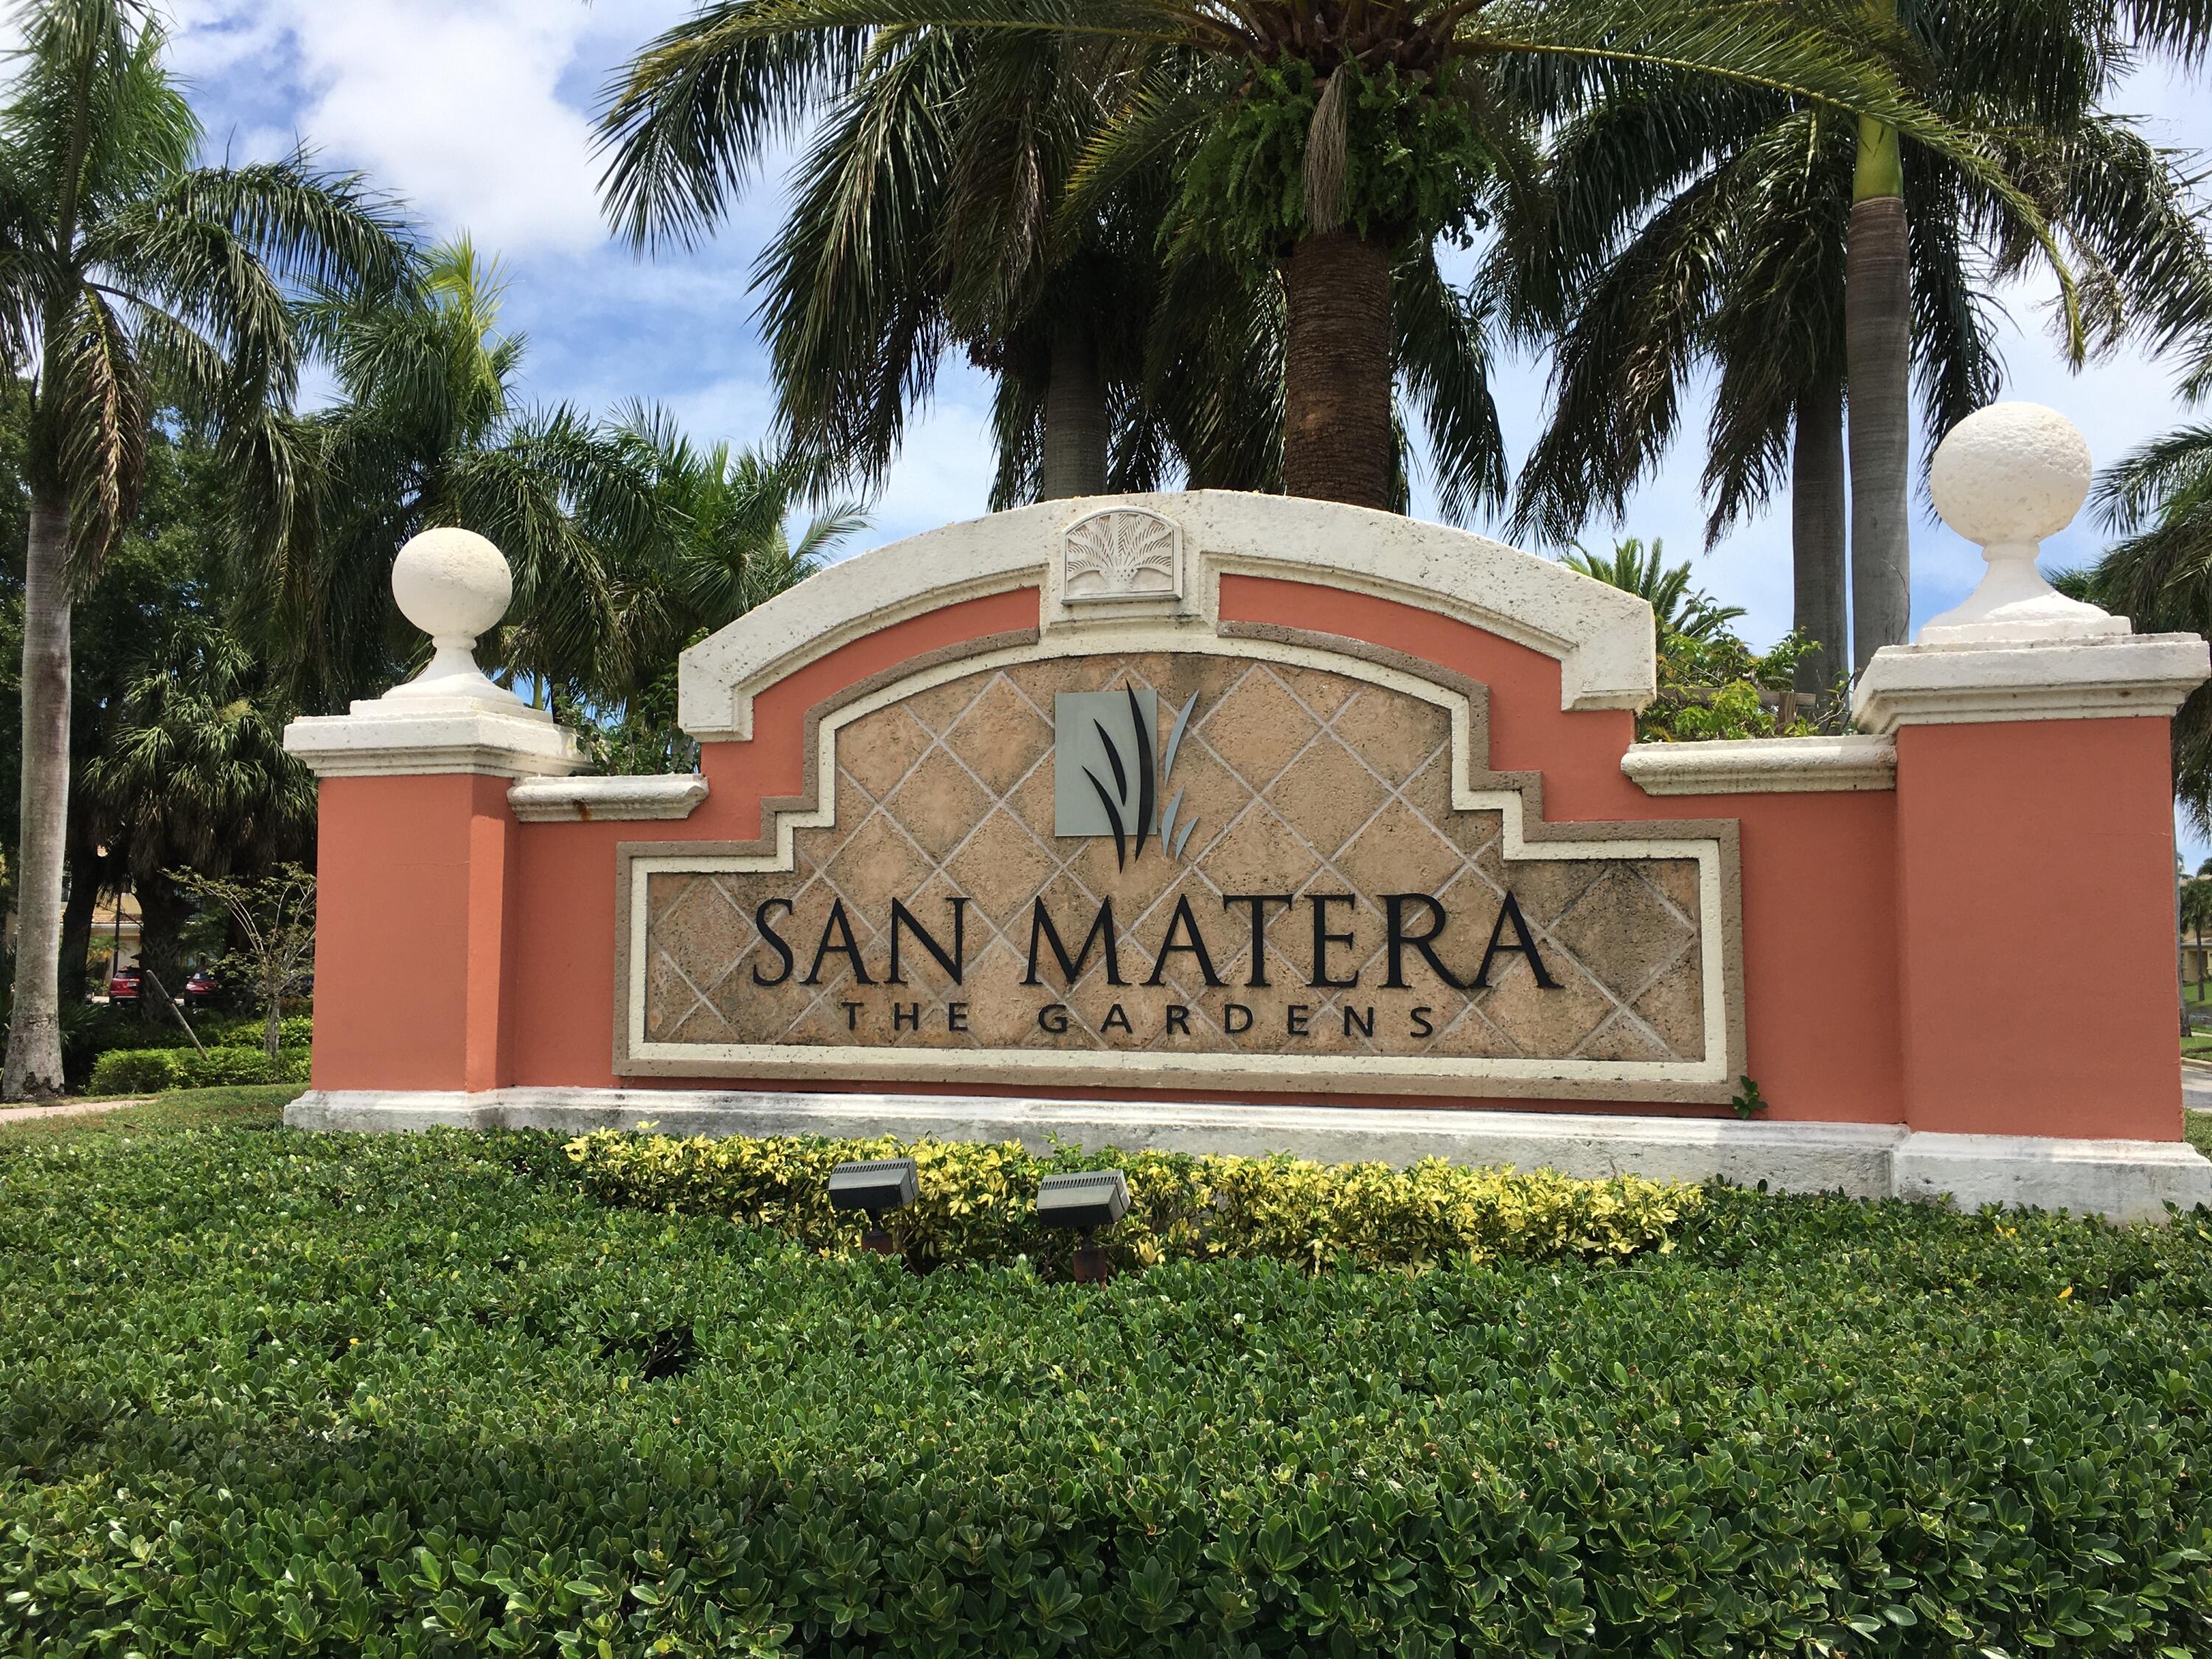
[
  {"x": 123, "y": 987},
  {"x": 200, "y": 990}
]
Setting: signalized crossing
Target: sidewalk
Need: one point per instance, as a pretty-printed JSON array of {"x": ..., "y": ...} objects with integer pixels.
[
  {"x": 2196, "y": 1085},
  {"x": 84, "y": 1109}
]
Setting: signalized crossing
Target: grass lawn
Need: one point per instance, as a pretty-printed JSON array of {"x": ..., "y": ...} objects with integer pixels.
[
  {"x": 263, "y": 1392},
  {"x": 259, "y": 1106}
]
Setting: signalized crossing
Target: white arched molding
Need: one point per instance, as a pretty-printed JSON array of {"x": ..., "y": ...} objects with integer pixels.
[{"x": 1601, "y": 637}]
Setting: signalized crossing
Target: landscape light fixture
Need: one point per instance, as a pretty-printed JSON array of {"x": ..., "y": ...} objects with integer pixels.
[
  {"x": 875, "y": 1185},
  {"x": 1085, "y": 1199}
]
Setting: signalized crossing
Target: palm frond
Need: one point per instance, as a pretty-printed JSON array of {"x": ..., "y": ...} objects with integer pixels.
[
  {"x": 96, "y": 390},
  {"x": 1442, "y": 360},
  {"x": 689, "y": 120},
  {"x": 1620, "y": 367}
]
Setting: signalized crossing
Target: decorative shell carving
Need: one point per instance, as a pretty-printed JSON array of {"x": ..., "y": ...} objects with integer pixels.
[{"x": 1121, "y": 553}]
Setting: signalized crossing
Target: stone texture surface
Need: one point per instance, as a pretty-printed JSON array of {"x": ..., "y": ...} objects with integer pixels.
[{"x": 1299, "y": 782}]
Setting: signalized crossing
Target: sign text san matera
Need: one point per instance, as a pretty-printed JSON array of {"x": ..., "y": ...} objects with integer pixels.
[{"x": 1217, "y": 821}]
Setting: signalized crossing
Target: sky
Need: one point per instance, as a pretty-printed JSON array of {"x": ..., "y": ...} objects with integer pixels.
[{"x": 479, "y": 114}]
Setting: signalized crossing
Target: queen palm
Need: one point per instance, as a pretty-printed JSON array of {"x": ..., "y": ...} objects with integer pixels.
[
  {"x": 1691, "y": 230},
  {"x": 928, "y": 218},
  {"x": 123, "y": 265},
  {"x": 924, "y": 219},
  {"x": 1343, "y": 133}
]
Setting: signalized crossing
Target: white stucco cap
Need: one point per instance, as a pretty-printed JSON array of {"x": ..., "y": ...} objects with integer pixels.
[
  {"x": 450, "y": 718},
  {"x": 1602, "y": 638},
  {"x": 2115, "y": 678}
]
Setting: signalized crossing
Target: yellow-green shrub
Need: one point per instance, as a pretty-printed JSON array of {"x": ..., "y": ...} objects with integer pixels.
[{"x": 977, "y": 1202}]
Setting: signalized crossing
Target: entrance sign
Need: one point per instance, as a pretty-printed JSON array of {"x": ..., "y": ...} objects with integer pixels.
[
  {"x": 1212, "y": 821},
  {"x": 1358, "y": 899}
]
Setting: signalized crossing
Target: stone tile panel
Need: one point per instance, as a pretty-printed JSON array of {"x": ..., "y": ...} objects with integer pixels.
[{"x": 1301, "y": 781}]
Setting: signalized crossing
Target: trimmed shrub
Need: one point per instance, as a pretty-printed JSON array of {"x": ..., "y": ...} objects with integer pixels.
[
  {"x": 268, "y": 1393},
  {"x": 977, "y": 1203},
  {"x": 150, "y": 1071},
  {"x": 245, "y": 1031}
]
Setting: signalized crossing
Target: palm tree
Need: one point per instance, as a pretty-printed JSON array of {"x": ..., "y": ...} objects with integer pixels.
[
  {"x": 924, "y": 218},
  {"x": 2195, "y": 911},
  {"x": 1676, "y": 607},
  {"x": 934, "y": 211},
  {"x": 2041, "y": 70},
  {"x": 193, "y": 772},
  {"x": 732, "y": 551},
  {"x": 1327, "y": 137},
  {"x": 1689, "y": 229},
  {"x": 122, "y": 264},
  {"x": 2158, "y": 500},
  {"x": 429, "y": 430},
  {"x": 730, "y": 512}
]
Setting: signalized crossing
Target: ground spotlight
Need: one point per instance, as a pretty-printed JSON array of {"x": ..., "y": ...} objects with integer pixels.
[
  {"x": 876, "y": 1185},
  {"x": 1085, "y": 1199}
]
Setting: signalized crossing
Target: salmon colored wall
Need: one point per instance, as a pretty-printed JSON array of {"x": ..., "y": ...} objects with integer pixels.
[
  {"x": 2037, "y": 903},
  {"x": 1821, "y": 873},
  {"x": 415, "y": 900}
]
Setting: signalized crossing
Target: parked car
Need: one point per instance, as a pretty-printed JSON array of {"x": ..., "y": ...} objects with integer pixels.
[
  {"x": 200, "y": 990},
  {"x": 124, "y": 986}
]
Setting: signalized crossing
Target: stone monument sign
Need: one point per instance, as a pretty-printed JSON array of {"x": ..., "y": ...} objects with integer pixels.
[{"x": 1221, "y": 820}]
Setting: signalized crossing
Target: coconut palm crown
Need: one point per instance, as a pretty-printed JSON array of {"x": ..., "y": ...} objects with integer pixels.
[{"x": 1325, "y": 136}]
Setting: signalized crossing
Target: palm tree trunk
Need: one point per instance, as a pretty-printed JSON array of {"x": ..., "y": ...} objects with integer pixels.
[
  {"x": 1074, "y": 460},
  {"x": 1337, "y": 437},
  {"x": 162, "y": 913},
  {"x": 1877, "y": 346},
  {"x": 33, "y": 1068},
  {"x": 1817, "y": 510},
  {"x": 76, "y": 925}
]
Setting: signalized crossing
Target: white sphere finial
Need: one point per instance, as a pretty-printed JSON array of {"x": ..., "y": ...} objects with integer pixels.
[
  {"x": 2004, "y": 478},
  {"x": 2011, "y": 473},
  {"x": 454, "y": 585}
]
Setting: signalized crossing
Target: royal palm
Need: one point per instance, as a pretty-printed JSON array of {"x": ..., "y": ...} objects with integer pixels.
[
  {"x": 1689, "y": 229},
  {"x": 123, "y": 266}
]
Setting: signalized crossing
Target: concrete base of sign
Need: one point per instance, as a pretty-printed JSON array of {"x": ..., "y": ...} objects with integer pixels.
[{"x": 2125, "y": 1180}]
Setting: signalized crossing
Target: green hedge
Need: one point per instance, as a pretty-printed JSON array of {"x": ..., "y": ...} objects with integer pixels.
[
  {"x": 124, "y": 1028},
  {"x": 150, "y": 1071},
  {"x": 245, "y": 1030},
  {"x": 977, "y": 1203},
  {"x": 264, "y": 1393}
]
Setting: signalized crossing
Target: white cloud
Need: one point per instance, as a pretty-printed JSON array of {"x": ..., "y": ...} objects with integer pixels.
[{"x": 463, "y": 107}]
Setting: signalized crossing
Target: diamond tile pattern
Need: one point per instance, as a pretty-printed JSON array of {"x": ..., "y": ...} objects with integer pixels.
[{"x": 1300, "y": 782}]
